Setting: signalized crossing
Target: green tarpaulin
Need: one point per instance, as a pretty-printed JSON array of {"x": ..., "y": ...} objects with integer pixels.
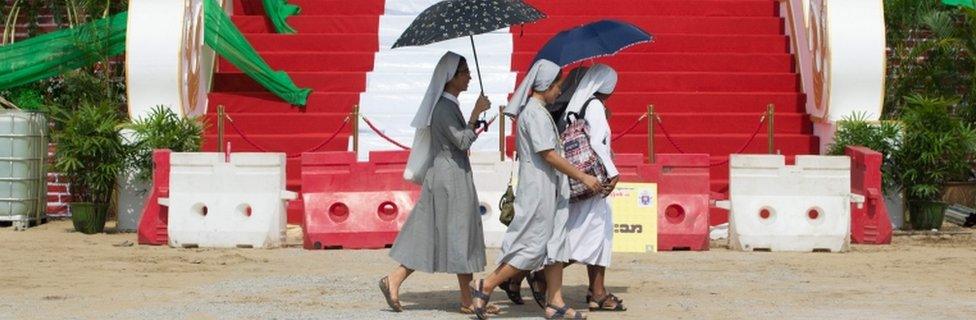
[
  {"x": 278, "y": 11},
  {"x": 223, "y": 36},
  {"x": 55, "y": 53},
  {"x": 962, "y": 3}
]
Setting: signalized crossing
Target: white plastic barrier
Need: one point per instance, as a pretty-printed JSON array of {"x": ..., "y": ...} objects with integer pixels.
[
  {"x": 491, "y": 178},
  {"x": 400, "y": 77},
  {"x": 804, "y": 207},
  {"x": 218, "y": 204}
]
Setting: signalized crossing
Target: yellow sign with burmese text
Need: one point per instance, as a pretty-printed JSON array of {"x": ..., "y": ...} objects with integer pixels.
[{"x": 634, "y": 217}]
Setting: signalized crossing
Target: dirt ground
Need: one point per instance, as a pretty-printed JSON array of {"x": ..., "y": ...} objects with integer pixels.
[{"x": 52, "y": 272}]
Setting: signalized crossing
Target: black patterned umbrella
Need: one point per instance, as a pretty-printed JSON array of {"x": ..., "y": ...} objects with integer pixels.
[{"x": 450, "y": 19}]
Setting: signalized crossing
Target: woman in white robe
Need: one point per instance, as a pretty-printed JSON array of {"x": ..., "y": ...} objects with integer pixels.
[{"x": 590, "y": 222}]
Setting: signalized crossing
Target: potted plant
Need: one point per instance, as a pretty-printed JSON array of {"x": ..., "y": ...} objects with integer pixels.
[
  {"x": 883, "y": 137},
  {"x": 936, "y": 148},
  {"x": 161, "y": 129},
  {"x": 90, "y": 154}
]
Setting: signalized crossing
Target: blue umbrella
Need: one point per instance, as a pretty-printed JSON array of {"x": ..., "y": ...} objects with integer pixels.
[{"x": 592, "y": 40}]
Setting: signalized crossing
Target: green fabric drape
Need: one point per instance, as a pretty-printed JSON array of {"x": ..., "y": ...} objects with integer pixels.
[
  {"x": 962, "y": 3},
  {"x": 54, "y": 53},
  {"x": 223, "y": 36},
  {"x": 278, "y": 11}
]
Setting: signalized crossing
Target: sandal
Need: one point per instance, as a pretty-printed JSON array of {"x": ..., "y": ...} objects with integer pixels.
[
  {"x": 490, "y": 309},
  {"x": 513, "y": 294},
  {"x": 537, "y": 282},
  {"x": 561, "y": 313},
  {"x": 385, "y": 288},
  {"x": 478, "y": 294},
  {"x": 615, "y": 304}
]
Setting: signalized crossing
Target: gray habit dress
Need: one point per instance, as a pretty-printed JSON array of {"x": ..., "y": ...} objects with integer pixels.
[
  {"x": 444, "y": 232},
  {"x": 537, "y": 234}
]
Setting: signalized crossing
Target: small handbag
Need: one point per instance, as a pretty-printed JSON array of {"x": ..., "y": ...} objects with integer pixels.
[{"x": 506, "y": 205}]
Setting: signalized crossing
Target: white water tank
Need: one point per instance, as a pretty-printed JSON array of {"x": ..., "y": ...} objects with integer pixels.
[{"x": 23, "y": 173}]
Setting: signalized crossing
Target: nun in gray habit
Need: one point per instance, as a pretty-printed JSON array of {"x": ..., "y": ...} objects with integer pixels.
[
  {"x": 537, "y": 235},
  {"x": 444, "y": 232}
]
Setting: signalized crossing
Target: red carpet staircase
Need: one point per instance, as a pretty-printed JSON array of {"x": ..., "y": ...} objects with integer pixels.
[
  {"x": 713, "y": 68},
  {"x": 331, "y": 54},
  {"x": 711, "y": 71}
]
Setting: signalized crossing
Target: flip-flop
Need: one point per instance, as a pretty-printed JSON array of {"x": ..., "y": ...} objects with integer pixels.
[
  {"x": 561, "y": 313},
  {"x": 476, "y": 293},
  {"x": 385, "y": 288},
  {"x": 490, "y": 309},
  {"x": 601, "y": 305}
]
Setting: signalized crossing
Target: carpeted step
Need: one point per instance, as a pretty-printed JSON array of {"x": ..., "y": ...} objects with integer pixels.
[
  {"x": 708, "y": 102},
  {"x": 292, "y": 144},
  {"x": 704, "y": 82},
  {"x": 685, "y": 43},
  {"x": 683, "y": 62},
  {"x": 703, "y": 8},
  {"x": 718, "y": 144},
  {"x": 271, "y": 123},
  {"x": 530, "y": 43},
  {"x": 561, "y": 7},
  {"x": 317, "y": 7},
  {"x": 633, "y": 102},
  {"x": 713, "y": 123},
  {"x": 629, "y": 82},
  {"x": 311, "y": 61},
  {"x": 333, "y": 42},
  {"x": 310, "y": 24},
  {"x": 305, "y": 24},
  {"x": 266, "y": 102},
  {"x": 768, "y": 25},
  {"x": 317, "y": 81}
]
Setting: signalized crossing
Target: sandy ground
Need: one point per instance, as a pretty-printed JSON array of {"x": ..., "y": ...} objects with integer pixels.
[{"x": 51, "y": 272}]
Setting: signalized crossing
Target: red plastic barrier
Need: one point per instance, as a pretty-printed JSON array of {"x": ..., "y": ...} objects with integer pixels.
[
  {"x": 355, "y": 205},
  {"x": 870, "y": 223},
  {"x": 633, "y": 167},
  {"x": 153, "y": 224},
  {"x": 683, "y": 192}
]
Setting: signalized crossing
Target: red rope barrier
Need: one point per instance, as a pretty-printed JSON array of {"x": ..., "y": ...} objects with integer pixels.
[
  {"x": 632, "y": 127},
  {"x": 382, "y": 135},
  {"x": 262, "y": 149},
  {"x": 745, "y": 146}
]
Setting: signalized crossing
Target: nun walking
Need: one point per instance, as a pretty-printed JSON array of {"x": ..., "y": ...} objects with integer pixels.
[
  {"x": 536, "y": 236},
  {"x": 590, "y": 221},
  {"x": 443, "y": 233}
]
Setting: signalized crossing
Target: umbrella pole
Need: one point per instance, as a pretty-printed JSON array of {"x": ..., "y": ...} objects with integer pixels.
[
  {"x": 477, "y": 66},
  {"x": 481, "y": 85}
]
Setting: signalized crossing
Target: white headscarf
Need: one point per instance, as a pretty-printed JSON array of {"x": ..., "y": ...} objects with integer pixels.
[
  {"x": 421, "y": 154},
  {"x": 443, "y": 73},
  {"x": 539, "y": 78},
  {"x": 600, "y": 78}
]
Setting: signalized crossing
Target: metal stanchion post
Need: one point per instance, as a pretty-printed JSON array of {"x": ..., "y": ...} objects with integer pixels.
[
  {"x": 770, "y": 125},
  {"x": 355, "y": 129},
  {"x": 220, "y": 128},
  {"x": 501, "y": 134},
  {"x": 650, "y": 133}
]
